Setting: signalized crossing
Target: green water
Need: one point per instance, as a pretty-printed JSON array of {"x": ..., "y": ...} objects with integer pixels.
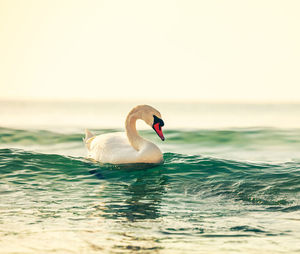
[{"x": 222, "y": 189}]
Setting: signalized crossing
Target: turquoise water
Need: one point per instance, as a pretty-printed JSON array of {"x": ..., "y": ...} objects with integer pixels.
[{"x": 226, "y": 187}]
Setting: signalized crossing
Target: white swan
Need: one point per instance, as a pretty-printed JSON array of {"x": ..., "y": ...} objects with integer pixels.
[{"x": 129, "y": 147}]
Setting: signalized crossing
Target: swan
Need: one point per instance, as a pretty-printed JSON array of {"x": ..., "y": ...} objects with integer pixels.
[{"x": 128, "y": 147}]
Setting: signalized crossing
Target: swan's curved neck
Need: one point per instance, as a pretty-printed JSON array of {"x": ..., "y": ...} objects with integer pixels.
[{"x": 130, "y": 125}]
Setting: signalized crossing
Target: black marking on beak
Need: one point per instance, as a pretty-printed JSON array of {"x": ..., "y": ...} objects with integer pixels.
[{"x": 158, "y": 120}]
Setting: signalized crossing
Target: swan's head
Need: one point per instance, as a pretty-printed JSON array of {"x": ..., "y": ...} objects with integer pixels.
[{"x": 152, "y": 117}]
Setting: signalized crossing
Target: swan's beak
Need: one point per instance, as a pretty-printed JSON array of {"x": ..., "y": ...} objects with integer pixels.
[{"x": 158, "y": 130}]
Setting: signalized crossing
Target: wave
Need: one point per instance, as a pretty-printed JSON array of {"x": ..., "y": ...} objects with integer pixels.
[
  {"x": 272, "y": 185},
  {"x": 40, "y": 137},
  {"x": 234, "y": 137}
]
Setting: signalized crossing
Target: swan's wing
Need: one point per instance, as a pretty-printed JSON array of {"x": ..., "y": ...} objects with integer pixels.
[{"x": 112, "y": 148}]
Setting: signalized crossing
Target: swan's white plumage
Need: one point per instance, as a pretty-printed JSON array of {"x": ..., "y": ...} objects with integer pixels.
[
  {"x": 125, "y": 148},
  {"x": 115, "y": 148}
]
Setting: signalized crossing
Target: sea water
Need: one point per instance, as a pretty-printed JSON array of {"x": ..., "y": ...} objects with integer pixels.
[{"x": 230, "y": 182}]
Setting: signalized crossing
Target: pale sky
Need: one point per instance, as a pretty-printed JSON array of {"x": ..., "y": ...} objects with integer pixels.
[{"x": 160, "y": 50}]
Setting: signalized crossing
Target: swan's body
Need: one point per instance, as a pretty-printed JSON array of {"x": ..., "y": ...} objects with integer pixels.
[
  {"x": 128, "y": 147},
  {"x": 115, "y": 148}
]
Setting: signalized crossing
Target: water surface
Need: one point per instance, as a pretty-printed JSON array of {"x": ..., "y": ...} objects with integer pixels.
[{"x": 222, "y": 188}]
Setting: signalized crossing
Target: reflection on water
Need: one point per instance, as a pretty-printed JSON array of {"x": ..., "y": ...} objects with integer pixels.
[
  {"x": 140, "y": 199},
  {"x": 144, "y": 198},
  {"x": 134, "y": 204}
]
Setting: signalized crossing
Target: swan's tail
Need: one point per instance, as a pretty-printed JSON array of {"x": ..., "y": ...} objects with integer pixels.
[{"x": 88, "y": 138}]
